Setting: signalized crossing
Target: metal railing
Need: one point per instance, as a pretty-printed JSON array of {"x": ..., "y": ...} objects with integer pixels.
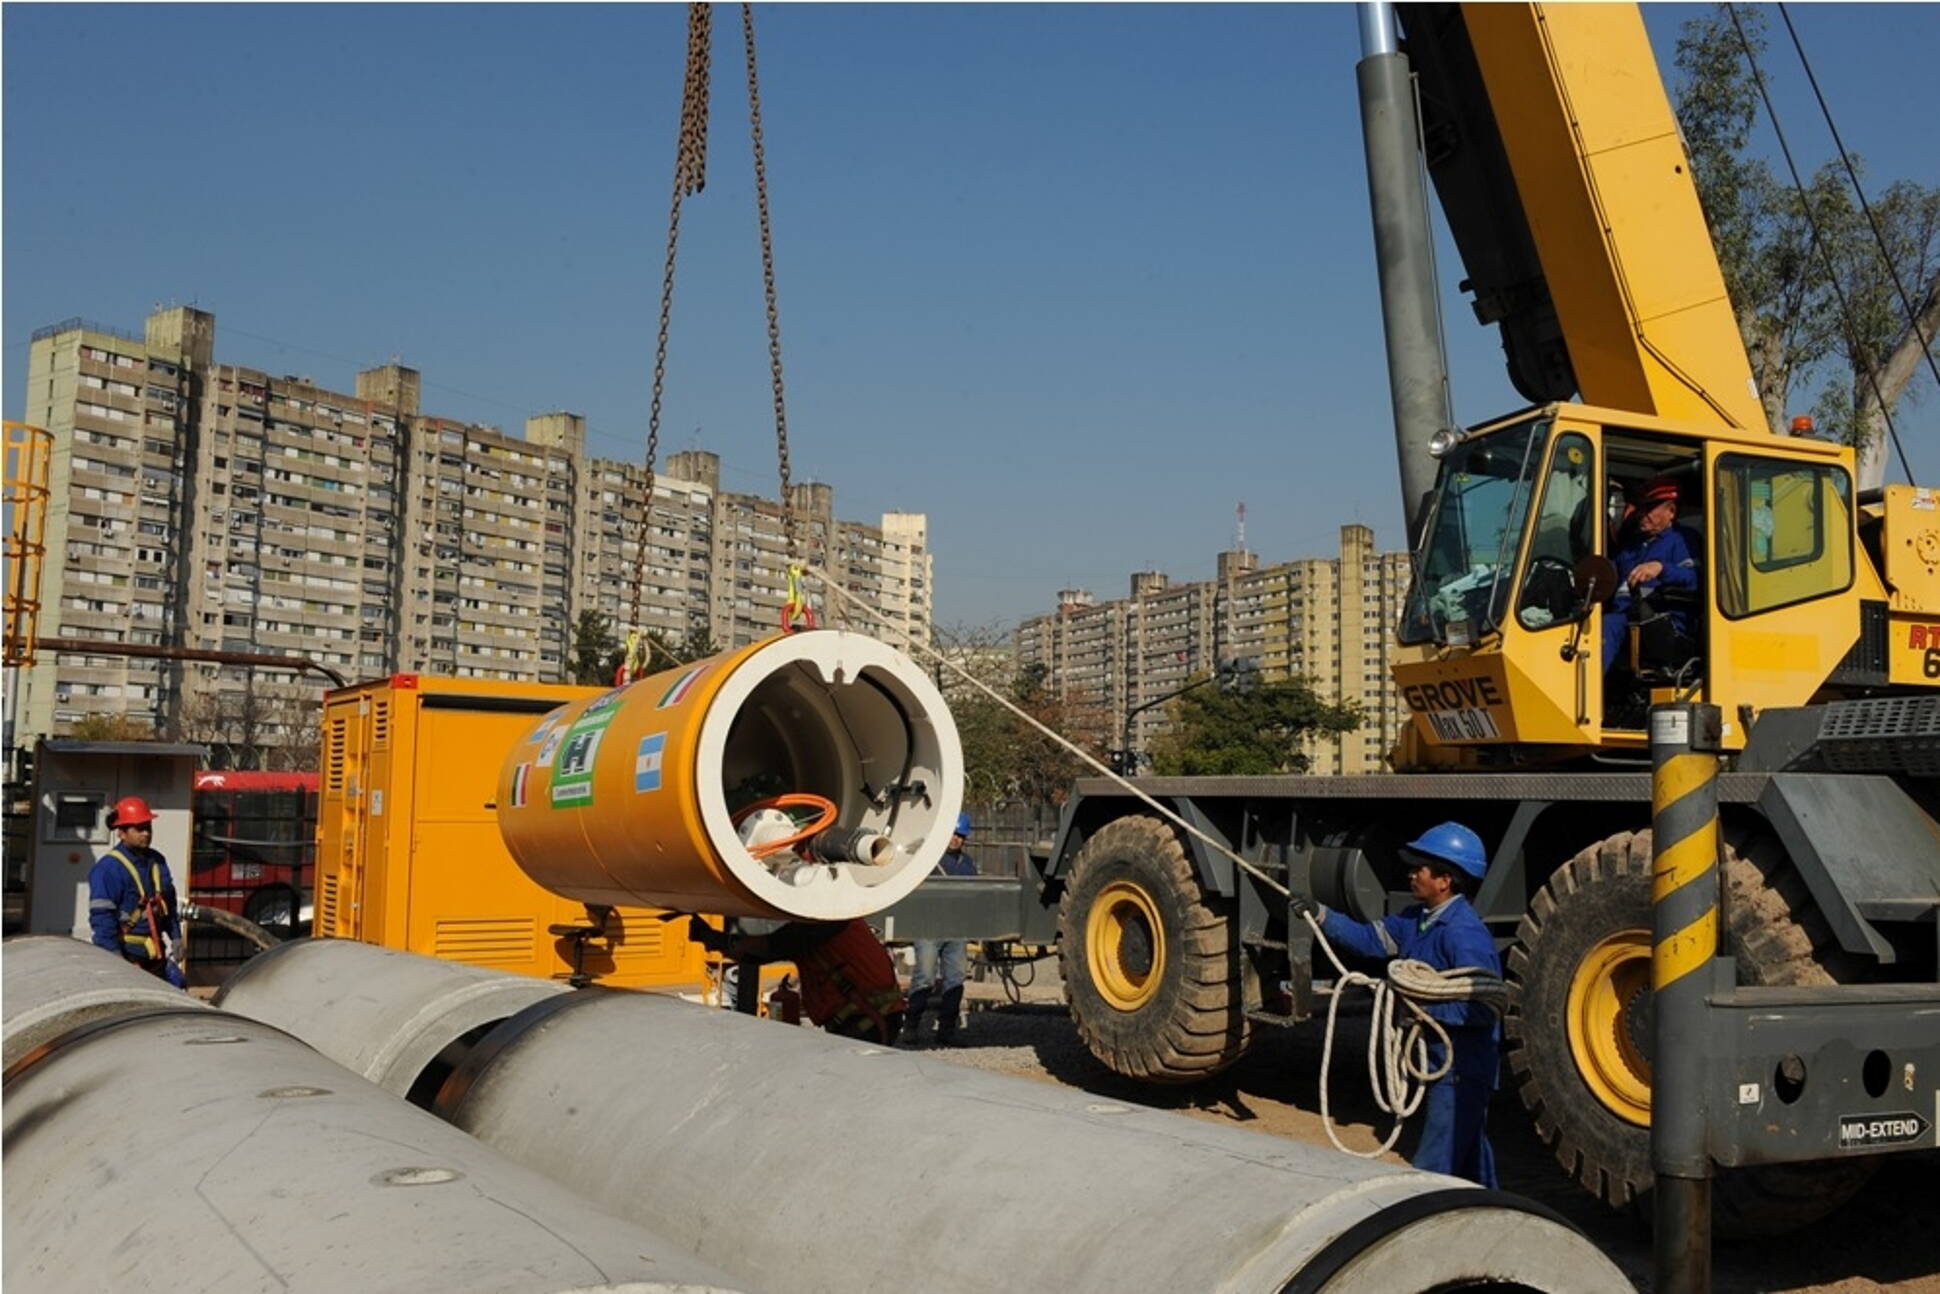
[
  {"x": 78, "y": 324},
  {"x": 29, "y": 452}
]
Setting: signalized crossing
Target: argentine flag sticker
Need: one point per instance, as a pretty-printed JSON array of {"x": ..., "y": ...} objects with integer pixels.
[{"x": 646, "y": 764}]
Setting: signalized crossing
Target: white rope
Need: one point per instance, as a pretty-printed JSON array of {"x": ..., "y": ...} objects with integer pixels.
[
  {"x": 1397, "y": 1054},
  {"x": 1218, "y": 846}
]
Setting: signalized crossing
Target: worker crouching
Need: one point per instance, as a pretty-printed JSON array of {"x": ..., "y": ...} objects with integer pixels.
[
  {"x": 849, "y": 984},
  {"x": 1443, "y": 931}
]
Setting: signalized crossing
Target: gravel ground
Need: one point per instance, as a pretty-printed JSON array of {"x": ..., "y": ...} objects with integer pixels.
[{"x": 1886, "y": 1239}]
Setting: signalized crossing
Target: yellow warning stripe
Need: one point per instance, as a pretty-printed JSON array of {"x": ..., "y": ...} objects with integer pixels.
[
  {"x": 1678, "y": 776},
  {"x": 1674, "y": 868},
  {"x": 1685, "y": 951}
]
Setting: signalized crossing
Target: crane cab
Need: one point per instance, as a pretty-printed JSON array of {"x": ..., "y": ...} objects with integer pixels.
[{"x": 1525, "y": 632}]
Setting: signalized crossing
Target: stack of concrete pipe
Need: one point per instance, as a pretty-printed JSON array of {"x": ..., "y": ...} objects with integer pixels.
[
  {"x": 400, "y": 1020},
  {"x": 803, "y": 1162},
  {"x": 55, "y": 984},
  {"x": 156, "y": 1145}
]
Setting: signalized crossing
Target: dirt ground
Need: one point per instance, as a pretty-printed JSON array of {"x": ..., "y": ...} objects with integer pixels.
[{"x": 1888, "y": 1238}]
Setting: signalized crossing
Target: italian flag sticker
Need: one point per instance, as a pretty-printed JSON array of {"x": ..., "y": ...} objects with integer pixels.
[
  {"x": 682, "y": 686},
  {"x": 520, "y": 776}
]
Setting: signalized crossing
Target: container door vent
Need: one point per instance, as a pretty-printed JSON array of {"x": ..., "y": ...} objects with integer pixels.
[
  {"x": 335, "y": 737},
  {"x": 485, "y": 940},
  {"x": 326, "y": 922}
]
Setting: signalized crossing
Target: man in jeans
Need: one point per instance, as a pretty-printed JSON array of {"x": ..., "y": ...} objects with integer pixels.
[{"x": 939, "y": 962}]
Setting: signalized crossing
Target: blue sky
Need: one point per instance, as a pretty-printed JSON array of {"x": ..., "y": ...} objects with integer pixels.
[{"x": 1074, "y": 280}]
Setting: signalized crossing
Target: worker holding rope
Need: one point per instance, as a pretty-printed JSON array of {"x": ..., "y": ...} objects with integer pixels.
[{"x": 1443, "y": 932}]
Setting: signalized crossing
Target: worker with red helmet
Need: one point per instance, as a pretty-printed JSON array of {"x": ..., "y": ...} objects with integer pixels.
[
  {"x": 1652, "y": 553},
  {"x": 131, "y": 896}
]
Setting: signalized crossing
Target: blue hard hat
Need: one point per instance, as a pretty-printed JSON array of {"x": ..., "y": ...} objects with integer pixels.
[
  {"x": 963, "y": 824},
  {"x": 1454, "y": 844}
]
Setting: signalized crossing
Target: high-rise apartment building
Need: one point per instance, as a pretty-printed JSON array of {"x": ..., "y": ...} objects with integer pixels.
[
  {"x": 221, "y": 508},
  {"x": 1327, "y": 619}
]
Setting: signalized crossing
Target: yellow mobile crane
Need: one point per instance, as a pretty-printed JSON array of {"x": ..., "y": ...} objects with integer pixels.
[{"x": 1815, "y": 628}]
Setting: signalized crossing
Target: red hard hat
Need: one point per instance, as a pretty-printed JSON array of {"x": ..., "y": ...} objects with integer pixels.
[
  {"x": 132, "y": 811},
  {"x": 1660, "y": 489}
]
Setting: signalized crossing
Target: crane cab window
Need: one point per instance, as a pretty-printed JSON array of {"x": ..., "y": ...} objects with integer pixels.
[
  {"x": 1784, "y": 533},
  {"x": 1467, "y": 559},
  {"x": 1564, "y": 534}
]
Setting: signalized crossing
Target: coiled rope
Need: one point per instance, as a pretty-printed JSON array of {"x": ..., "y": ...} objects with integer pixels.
[
  {"x": 1398, "y": 1071},
  {"x": 1397, "y": 1050}
]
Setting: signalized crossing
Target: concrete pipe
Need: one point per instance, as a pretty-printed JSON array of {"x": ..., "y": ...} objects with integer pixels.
[
  {"x": 941, "y": 1178},
  {"x": 400, "y": 1020},
  {"x": 643, "y": 796},
  {"x": 189, "y": 1150},
  {"x": 49, "y": 984}
]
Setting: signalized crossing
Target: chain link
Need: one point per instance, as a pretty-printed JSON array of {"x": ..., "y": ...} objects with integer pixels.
[
  {"x": 768, "y": 286},
  {"x": 690, "y": 177}
]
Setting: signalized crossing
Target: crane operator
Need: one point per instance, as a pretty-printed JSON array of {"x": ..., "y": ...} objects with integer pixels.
[{"x": 1652, "y": 553}]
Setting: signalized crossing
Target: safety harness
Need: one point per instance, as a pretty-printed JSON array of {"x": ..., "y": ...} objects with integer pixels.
[{"x": 150, "y": 909}]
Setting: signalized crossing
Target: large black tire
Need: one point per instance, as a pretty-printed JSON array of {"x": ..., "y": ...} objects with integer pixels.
[
  {"x": 1151, "y": 971},
  {"x": 1584, "y": 912}
]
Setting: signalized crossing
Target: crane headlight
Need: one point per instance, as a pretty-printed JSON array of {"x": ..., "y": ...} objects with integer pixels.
[{"x": 1442, "y": 441}]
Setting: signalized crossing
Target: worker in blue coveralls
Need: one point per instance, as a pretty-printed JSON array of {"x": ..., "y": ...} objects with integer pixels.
[
  {"x": 940, "y": 962},
  {"x": 1442, "y": 930},
  {"x": 1653, "y": 553},
  {"x": 131, "y": 896}
]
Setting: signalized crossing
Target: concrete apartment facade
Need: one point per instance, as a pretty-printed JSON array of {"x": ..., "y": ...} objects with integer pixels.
[
  {"x": 214, "y": 506},
  {"x": 1328, "y": 619}
]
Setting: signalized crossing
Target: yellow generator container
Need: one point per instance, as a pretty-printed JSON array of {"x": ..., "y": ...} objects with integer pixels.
[
  {"x": 409, "y": 854},
  {"x": 653, "y": 793}
]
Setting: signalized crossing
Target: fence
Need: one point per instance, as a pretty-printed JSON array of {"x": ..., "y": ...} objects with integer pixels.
[{"x": 253, "y": 853}]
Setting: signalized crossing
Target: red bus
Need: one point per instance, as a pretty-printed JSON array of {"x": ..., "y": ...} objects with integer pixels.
[{"x": 253, "y": 850}]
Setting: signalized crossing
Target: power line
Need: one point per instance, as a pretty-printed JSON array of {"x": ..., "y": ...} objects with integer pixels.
[
  {"x": 1812, "y": 223},
  {"x": 1852, "y": 173}
]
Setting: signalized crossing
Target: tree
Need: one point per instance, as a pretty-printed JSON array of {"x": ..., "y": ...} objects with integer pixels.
[
  {"x": 1239, "y": 733},
  {"x": 256, "y": 726},
  {"x": 699, "y": 644},
  {"x": 1005, "y": 758},
  {"x": 111, "y": 727},
  {"x": 1039, "y": 770},
  {"x": 595, "y": 649},
  {"x": 1851, "y": 366}
]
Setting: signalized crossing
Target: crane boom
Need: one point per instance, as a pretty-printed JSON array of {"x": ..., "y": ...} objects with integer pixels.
[{"x": 1559, "y": 164}]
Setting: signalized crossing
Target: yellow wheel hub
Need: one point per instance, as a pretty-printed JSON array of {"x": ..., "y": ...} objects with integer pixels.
[
  {"x": 1125, "y": 945},
  {"x": 1609, "y": 990}
]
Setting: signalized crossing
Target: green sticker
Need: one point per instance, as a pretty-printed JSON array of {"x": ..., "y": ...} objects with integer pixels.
[{"x": 572, "y": 776}]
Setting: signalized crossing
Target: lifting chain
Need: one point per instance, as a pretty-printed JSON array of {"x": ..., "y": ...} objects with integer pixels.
[
  {"x": 768, "y": 286},
  {"x": 690, "y": 177}
]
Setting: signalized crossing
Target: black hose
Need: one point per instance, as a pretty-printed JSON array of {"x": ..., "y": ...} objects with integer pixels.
[{"x": 234, "y": 924}]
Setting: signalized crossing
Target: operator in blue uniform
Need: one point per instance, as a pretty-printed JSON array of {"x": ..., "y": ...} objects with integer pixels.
[
  {"x": 1653, "y": 552},
  {"x": 131, "y": 896},
  {"x": 1443, "y": 931}
]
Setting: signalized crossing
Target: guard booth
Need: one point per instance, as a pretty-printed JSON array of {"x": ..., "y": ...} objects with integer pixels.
[{"x": 76, "y": 783}]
